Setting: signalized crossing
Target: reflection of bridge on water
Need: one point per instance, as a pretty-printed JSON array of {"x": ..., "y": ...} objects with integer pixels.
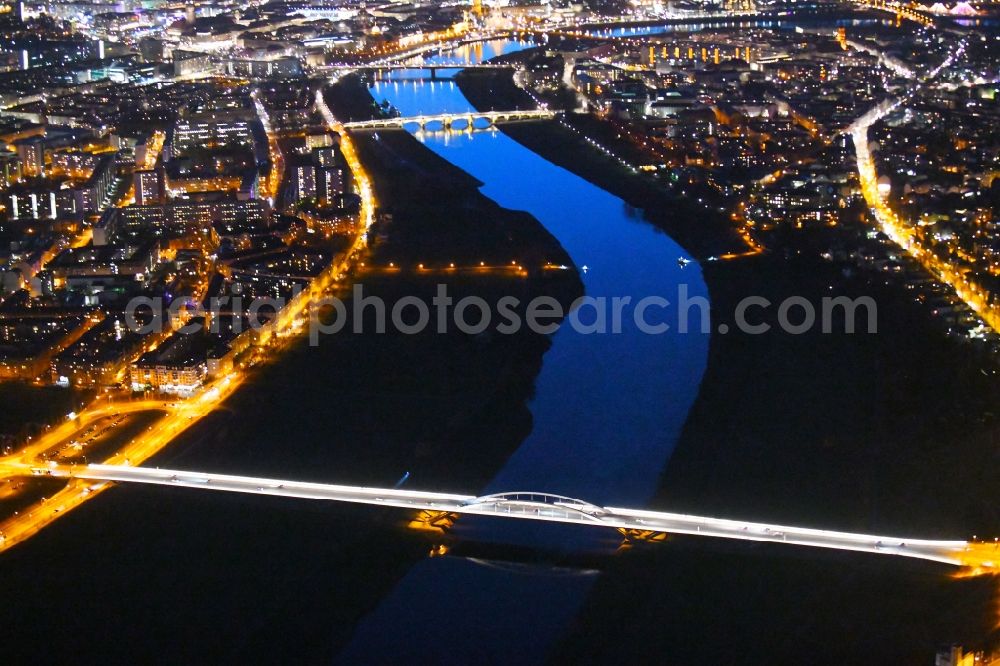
[
  {"x": 463, "y": 120},
  {"x": 550, "y": 508}
]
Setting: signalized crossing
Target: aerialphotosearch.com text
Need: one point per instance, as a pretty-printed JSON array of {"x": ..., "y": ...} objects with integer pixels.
[{"x": 656, "y": 314}]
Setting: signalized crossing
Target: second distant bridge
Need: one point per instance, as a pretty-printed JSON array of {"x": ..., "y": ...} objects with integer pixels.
[{"x": 452, "y": 120}]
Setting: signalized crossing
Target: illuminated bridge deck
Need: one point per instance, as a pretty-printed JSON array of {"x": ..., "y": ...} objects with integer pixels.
[
  {"x": 446, "y": 120},
  {"x": 547, "y": 507}
]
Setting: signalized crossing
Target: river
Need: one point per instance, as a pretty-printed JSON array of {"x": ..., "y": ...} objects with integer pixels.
[{"x": 607, "y": 408}]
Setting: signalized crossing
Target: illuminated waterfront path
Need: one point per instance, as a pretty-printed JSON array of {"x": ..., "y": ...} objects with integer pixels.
[{"x": 546, "y": 507}]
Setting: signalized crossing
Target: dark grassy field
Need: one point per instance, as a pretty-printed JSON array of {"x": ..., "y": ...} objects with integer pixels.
[{"x": 25, "y": 409}]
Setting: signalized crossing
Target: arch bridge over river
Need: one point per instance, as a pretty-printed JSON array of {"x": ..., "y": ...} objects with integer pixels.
[
  {"x": 547, "y": 507},
  {"x": 450, "y": 120}
]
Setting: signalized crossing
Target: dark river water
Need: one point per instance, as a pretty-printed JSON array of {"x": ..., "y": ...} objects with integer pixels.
[
  {"x": 607, "y": 410},
  {"x": 607, "y": 406}
]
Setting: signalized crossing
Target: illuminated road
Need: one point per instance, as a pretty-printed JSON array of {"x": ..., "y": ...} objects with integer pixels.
[
  {"x": 896, "y": 228},
  {"x": 544, "y": 507},
  {"x": 271, "y": 185},
  {"x": 155, "y": 147},
  {"x": 68, "y": 428},
  {"x": 182, "y": 415},
  {"x": 361, "y": 178}
]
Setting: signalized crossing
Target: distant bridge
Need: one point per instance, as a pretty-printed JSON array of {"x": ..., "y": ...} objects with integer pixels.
[
  {"x": 450, "y": 120},
  {"x": 431, "y": 67},
  {"x": 547, "y": 507}
]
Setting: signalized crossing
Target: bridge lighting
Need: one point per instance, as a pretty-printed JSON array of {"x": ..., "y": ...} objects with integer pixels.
[{"x": 542, "y": 506}]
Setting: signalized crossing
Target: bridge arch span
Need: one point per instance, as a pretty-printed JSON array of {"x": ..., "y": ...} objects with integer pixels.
[{"x": 528, "y": 501}]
